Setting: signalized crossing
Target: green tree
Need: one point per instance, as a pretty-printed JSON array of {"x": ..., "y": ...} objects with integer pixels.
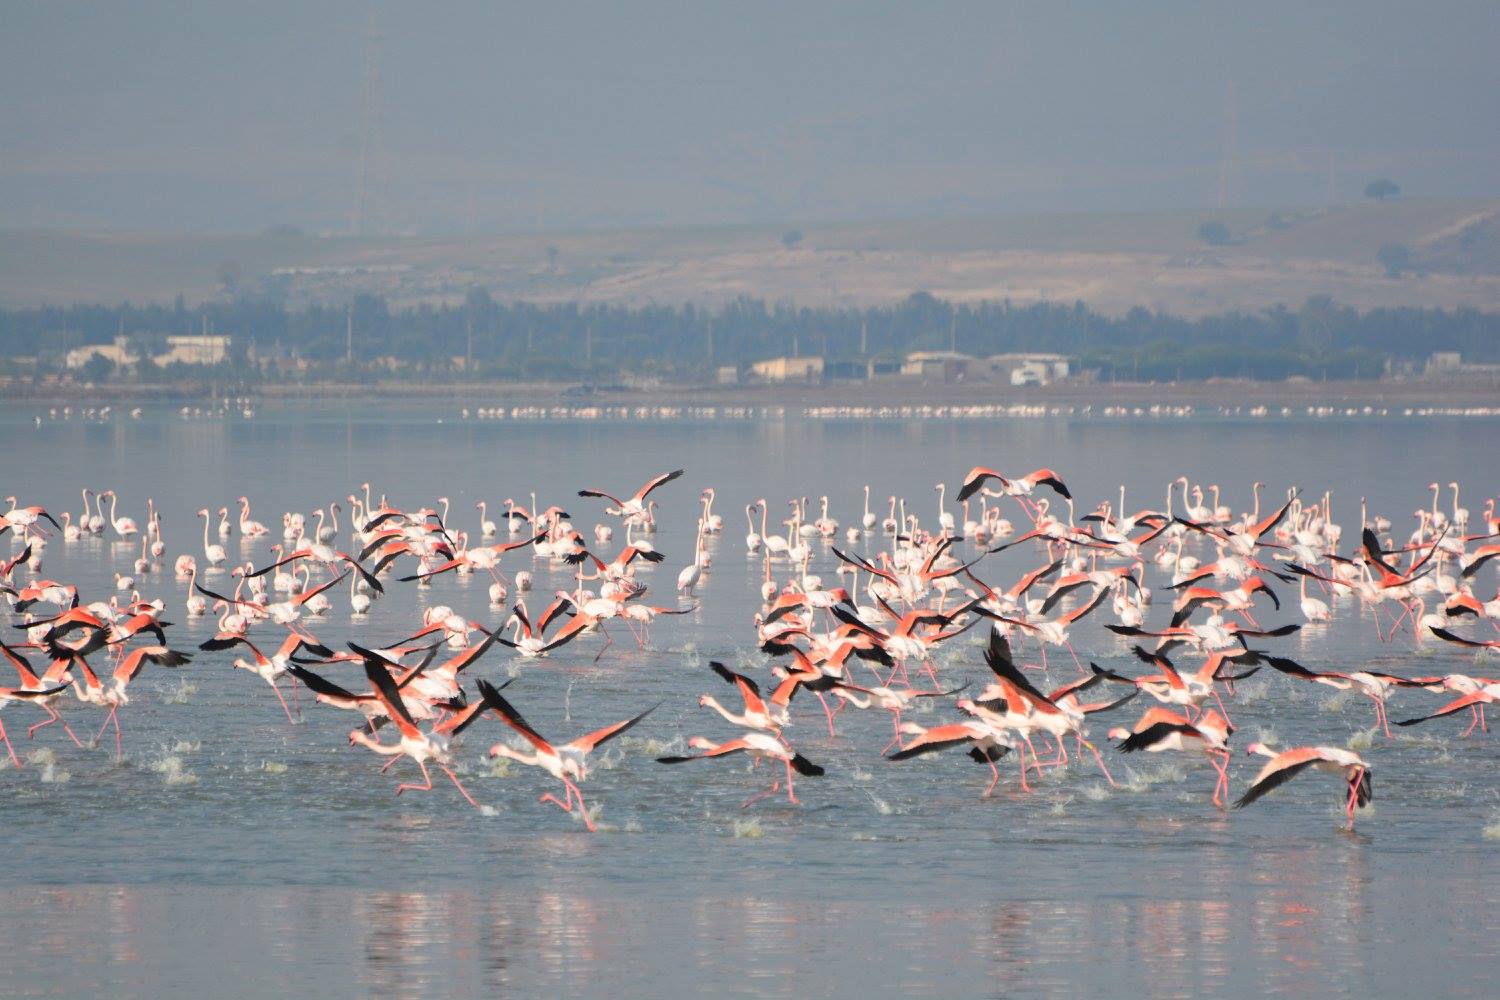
[
  {"x": 791, "y": 238},
  {"x": 1382, "y": 189},
  {"x": 97, "y": 368}
]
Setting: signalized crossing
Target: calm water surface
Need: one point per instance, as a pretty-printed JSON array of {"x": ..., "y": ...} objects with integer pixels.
[{"x": 231, "y": 853}]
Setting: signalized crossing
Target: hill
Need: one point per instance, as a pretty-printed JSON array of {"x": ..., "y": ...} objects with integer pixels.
[{"x": 1113, "y": 262}]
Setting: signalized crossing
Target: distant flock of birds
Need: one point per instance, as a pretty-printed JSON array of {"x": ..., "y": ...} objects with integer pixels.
[{"x": 863, "y": 641}]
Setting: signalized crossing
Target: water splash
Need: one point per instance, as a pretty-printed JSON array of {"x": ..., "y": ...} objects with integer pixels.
[
  {"x": 1363, "y": 740},
  {"x": 172, "y": 771},
  {"x": 273, "y": 767},
  {"x": 748, "y": 829},
  {"x": 1140, "y": 781},
  {"x": 178, "y": 694}
]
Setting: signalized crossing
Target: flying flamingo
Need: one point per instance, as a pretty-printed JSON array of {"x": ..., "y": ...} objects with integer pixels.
[
  {"x": 567, "y": 763},
  {"x": 1287, "y": 764}
]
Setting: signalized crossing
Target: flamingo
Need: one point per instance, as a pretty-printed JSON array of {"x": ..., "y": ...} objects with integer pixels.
[
  {"x": 124, "y": 526},
  {"x": 760, "y": 746},
  {"x": 1287, "y": 764},
  {"x": 213, "y": 553},
  {"x": 567, "y": 763},
  {"x": 413, "y": 742}
]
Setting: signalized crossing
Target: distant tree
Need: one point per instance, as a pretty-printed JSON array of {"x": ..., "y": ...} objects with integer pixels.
[
  {"x": 552, "y": 259},
  {"x": 1396, "y": 259},
  {"x": 97, "y": 368},
  {"x": 283, "y": 231},
  {"x": 1215, "y": 234},
  {"x": 791, "y": 238},
  {"x": 229, "y": 276},
  {"x": 1382, "y": 189}
]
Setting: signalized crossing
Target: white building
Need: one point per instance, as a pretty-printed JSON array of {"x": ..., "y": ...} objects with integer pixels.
[{"x": 204, "y": 349}]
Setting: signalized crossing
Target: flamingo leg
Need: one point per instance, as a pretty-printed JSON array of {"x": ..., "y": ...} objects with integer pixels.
[
  {"x": 284, "y": 706},
  {"x": 459, "y": 785},
  {"x": 994, "y": 778},
  {"x": 608, "y": 642},
  {"x": 1474, "y": 711},
  {"x": 8, "y": 748},
  {"x": 415, "y": 787},
  {"x": 583, "y": 808},
  {"x": 826, "y": 711},
  {"x": 1222, "y": 710},
  {"x": 100, "y": 734},
  {"x": 775, "y": 787},
  {"x": 1095, "y": 751},
  {"x": 790, "y": 795}
]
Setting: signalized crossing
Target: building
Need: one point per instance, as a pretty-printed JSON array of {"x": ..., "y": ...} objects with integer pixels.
[
  {"x": 727, "y": 375},
  {"x": 1027, "y": 369},
  {"x": 1445, "y": 363},
  {"x": 940, "y": 366},
  {"x": 189, "y": 350},
  {"x": 202, "y": 349},
  {"x": 116, "y": 352},
  {"x": 1451, "y": 365},
  {"x": 807, "y": 369}
]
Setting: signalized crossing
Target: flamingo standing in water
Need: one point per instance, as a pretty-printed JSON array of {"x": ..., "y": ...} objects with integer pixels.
[{"x": 124, "y": 526}]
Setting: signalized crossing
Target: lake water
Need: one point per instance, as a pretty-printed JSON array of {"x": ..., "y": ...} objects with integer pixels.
[{"x": 232, "y": 853}]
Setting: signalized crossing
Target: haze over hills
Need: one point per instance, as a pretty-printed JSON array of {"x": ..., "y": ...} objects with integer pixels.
[{"x": 1113, "y": 262}]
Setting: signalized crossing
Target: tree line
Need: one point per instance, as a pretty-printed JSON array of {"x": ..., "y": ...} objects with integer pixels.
[{"x": 484, "y": 338}]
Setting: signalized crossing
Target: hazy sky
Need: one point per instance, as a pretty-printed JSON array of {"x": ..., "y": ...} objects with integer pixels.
[{"x": 504, "y": 117}]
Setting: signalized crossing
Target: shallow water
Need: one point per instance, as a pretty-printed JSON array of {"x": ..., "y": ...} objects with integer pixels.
[{"x": 230, "y": 850}]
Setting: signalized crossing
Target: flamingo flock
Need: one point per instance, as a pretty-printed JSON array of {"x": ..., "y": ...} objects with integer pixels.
[{"x": 867, "y": 641}]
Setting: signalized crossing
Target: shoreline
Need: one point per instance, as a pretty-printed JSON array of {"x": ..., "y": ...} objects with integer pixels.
[{"x": 1200, "y": 395}]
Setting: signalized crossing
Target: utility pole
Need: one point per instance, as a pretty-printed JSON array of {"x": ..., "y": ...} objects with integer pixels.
[
  {"x": 864, "y": 330},
  {"x": 469, "y": 352},
  {"x": 953, "y": 332},
  {"x": 710, "y": 341},
  {"x": 588, "y": 342},
  {"x": 349, "y": 335}
]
